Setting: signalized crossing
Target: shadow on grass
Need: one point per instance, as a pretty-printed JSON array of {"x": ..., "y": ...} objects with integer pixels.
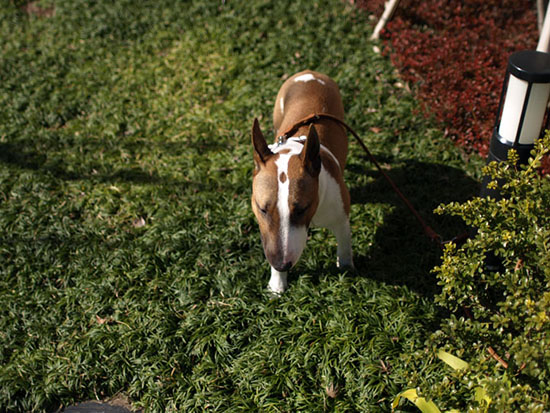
[
  {"x": 19, "y": 156},
  {"x": 401, "y": 254},
  {"x": 30, "y": 160},
  {"x": 16, "y": 155}
]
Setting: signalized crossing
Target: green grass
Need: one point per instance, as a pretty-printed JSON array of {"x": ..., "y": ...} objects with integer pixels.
[{"x": 119, "y": 114}]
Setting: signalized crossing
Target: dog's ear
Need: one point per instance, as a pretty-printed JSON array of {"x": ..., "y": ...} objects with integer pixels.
[
  {"x": 261, "y": 151},
  {"x": 311, "y": 158}
]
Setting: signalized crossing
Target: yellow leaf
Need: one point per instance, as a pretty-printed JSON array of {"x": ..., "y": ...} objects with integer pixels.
[
  {"x": 453, "y": 361},
  {"x": 420, "y": 402}
]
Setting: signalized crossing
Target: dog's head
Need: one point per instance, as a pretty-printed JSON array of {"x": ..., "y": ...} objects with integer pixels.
[{"x": 285, "y": 195}]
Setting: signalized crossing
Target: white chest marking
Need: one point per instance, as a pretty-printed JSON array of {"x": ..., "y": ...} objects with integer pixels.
[
  {"x": 308, "y": 77},
  {"x": 330, "y": 211}
]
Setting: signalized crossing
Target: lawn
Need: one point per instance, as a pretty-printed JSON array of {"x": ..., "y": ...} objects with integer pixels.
[{"x": 130, "y": 260}]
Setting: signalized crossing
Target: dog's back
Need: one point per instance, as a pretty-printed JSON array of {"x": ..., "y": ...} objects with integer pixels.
[{"x": 306, "y": 93}]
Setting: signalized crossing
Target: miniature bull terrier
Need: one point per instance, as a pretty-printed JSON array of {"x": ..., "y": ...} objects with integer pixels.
[{"x": 298, "y": 181}]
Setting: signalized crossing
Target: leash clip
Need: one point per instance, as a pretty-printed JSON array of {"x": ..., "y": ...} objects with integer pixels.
[{"x": 281, "y": 140}]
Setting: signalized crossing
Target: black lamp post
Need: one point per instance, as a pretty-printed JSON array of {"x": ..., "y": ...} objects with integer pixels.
[{"x": 522, "y": 109}]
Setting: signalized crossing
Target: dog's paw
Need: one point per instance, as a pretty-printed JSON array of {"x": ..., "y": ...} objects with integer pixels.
[
  {"x": 277, "y": 288},
  {"x": 277, "y": 283},
  {"x": 275, "y": 292}
]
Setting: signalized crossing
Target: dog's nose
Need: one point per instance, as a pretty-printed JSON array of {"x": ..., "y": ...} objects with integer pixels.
[{"x": 286, "y": 266}]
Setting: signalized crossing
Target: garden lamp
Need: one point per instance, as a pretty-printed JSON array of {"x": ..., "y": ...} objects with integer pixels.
[{"x": 522, "y": 108}]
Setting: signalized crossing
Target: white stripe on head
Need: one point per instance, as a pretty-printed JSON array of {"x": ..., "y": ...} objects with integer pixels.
[
  {"x": 293, "y": 238},
  {"x": 284, "y": 191},
  {"x": 308, "y": 77},
  {"x": 282, "y": 196}
]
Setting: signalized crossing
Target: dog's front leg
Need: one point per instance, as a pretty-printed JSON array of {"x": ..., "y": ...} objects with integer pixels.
[
  {"x": 277, "y": 282},
  {"x": 342, "y": 232}
]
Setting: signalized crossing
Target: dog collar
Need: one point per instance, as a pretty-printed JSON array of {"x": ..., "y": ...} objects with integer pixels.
[{"x": 283, "y": 140}]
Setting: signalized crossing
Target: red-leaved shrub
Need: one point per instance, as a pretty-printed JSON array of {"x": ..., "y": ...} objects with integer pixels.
[{"x": 455, "y": 53}]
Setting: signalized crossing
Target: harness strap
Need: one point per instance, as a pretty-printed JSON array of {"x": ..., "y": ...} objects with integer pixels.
[{"x": 428, "y": 230}]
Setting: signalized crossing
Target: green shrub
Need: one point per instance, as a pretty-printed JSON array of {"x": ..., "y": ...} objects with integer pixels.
[{"x": 499, "y": 321}]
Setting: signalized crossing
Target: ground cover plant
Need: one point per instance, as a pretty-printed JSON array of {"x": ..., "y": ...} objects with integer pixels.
[{"x": 130, "y": 261}]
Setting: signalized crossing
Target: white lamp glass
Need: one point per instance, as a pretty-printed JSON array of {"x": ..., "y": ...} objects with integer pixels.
[{"x": 516, "y": 95}]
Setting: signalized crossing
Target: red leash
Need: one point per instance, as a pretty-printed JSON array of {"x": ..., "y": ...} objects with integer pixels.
[{"x": 428, "y": 230}]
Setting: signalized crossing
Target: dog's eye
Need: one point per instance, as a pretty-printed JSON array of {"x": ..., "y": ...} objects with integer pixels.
[
  {"x": 299, "y": 211},
  {"x": 262, "y": 210}
]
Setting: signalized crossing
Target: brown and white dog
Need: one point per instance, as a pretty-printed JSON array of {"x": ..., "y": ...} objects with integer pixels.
[{"x": 299, "y": 182}]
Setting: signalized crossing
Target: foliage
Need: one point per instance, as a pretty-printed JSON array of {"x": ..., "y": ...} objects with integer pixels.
[
  {"x": 129, "y": 258},
  {"x": 499, "y": 319}
]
